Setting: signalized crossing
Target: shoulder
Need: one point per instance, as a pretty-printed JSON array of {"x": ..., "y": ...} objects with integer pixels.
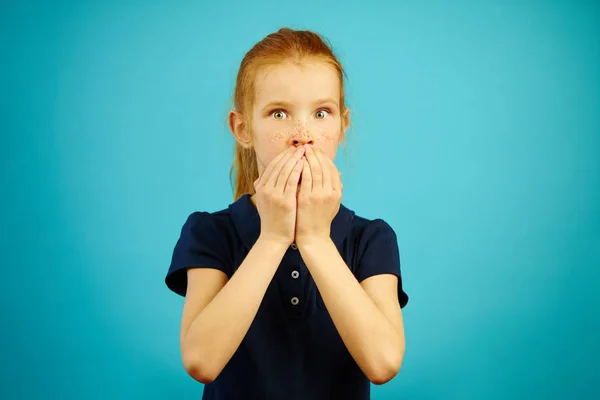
[
  {"x": 209, "y": 231},
  {"x": 374, "y": 244},
  {"x": 363, "y": 229},
  {"x": 205, "y": 240},
  {"x": 210, "y": 225},
  {"x": 372, "y": 237}
]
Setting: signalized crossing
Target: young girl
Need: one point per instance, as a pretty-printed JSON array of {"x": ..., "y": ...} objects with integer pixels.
[{"x": 288, "y": 294}]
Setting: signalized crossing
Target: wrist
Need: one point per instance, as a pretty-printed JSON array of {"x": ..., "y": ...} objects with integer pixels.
[
  {"x": 273, "y": 243},
  {"x": 309, "y": 241}
]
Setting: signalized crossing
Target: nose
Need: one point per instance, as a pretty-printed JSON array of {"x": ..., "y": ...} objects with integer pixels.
[
  {"x": 301, "y": 140},
  {"x": 302, "y": 135}
]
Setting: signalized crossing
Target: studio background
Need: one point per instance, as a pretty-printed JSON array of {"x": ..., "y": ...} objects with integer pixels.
[{"x": 475, "y": 135}]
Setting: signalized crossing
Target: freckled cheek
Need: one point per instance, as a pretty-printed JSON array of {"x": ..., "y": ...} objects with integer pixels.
[
  {"x": 280, "y": 136},
  {"x": 325, "y": 136},
  {"x": 329, "y": 149},
  {"x": 327, "y": 141},
  {"x": 273, "y": 133},
  {"x": 325, "y": 131}
]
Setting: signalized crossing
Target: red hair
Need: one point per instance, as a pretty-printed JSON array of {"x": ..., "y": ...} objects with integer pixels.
[{"x": 285, "y": 45}]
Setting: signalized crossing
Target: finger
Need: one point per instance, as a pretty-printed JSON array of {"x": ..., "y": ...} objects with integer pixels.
[
  {"x": 325, "y": 168},
  {"x": 267, "y": 172},
  {"x": 282, "y": 173},
  {"x": 307, "y": 181},
  {"x": 287, "y": 168},
  {"x": 274, "y": 176},
  {"x": 336, "y": 176},
  {"x": 315, "y": 168},
  {"x": 291, "y": 188}
]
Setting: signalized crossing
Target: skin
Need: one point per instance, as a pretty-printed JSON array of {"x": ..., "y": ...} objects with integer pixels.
[
  {"x": 295, "y": 135},
  {"x": 294, "y": 105}
]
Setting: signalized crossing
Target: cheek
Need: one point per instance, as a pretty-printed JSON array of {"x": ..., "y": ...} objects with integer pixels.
[
  {"x": 267, "y": 142},
  {"x": 326, "y": 133},
  {"x": 279, "y": 136},
  {"x": 330, "y": 151},
  {"x": 266, "y": 153},
  {"x": 268, "y": 147},
  {"x": 326, "y": 136},
  {"x": 327, "y": 140}
]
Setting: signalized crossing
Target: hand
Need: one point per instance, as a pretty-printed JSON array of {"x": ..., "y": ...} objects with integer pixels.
[
  {"x": 275, "y": 196},
  {"x": 319, "y": 197}
]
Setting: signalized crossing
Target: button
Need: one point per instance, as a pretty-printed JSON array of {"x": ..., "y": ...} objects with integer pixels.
[
  {"x": 295, "y": 301},
  {"x": 295, "y": 274},
  {"x": 294, "y": 247}
]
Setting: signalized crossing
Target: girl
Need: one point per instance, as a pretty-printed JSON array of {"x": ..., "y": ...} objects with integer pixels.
[{"x": 288, "y": 294}]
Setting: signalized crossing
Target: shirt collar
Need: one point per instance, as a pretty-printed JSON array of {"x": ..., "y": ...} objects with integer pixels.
[{"x": 247, "y": 222}]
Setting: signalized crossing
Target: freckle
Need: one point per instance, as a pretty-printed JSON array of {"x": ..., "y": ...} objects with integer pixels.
[
  {"x": 320, "y": 135},
  {"x": 278, "y": 136}
]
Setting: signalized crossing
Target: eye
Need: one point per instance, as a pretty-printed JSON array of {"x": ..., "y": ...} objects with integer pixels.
[
  {"x": 322, "y": 114},
  {"x": 279, "y": 114}
]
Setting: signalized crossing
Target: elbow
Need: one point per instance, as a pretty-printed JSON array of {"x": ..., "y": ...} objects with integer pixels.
[
  {"x": 199, "y": 370},
  {"x": 382, "y": 376},
  {"x": 386, "y": 368}
]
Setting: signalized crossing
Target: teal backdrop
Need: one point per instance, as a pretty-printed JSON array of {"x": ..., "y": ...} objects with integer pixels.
[{"x": 476, "y": 135}]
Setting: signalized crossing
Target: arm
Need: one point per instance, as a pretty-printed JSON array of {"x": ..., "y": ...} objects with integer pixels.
[
  {"x": 217, "y": 313},
  {"x": 366, "y": 315}
]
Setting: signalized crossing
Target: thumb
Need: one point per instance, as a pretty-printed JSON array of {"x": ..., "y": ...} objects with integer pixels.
[{"x": 257, "y": 181}]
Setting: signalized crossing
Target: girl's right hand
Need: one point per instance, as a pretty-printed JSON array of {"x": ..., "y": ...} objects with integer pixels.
[{"x": 275, "y": 196}]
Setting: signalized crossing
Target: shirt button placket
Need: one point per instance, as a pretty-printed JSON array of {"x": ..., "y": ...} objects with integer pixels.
[{"x": 295, "y": 275}]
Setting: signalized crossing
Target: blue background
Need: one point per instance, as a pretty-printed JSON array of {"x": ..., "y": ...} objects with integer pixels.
[{"x": 475, "y": 135}]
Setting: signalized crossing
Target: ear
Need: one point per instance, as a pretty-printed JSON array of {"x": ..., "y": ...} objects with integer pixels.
[
  {"x": 239, "y": 129},
  {"x": 345, "y": 123}
]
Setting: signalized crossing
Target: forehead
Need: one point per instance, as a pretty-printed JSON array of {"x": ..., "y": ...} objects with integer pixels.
[{"x": 297, "y": 82}]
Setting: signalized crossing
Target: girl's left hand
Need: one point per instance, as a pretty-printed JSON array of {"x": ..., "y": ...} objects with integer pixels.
[{"x": 319, "y": 197}]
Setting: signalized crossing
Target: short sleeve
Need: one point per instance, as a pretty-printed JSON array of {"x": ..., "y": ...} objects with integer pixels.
[
  {"x": 380, "y": 255},
  {"x": 200, "y": 245}
]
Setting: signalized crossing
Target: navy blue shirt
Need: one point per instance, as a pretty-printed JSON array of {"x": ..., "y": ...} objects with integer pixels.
[{"x": 292, "y": 349}]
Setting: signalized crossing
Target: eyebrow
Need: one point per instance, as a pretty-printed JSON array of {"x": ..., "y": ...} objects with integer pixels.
[{"x": 285, "y": 104}]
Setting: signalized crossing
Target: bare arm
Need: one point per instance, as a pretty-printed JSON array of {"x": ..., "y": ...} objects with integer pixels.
[
  {"x": 366, "y": 315},
  {"x": 217, "y": 313}
]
